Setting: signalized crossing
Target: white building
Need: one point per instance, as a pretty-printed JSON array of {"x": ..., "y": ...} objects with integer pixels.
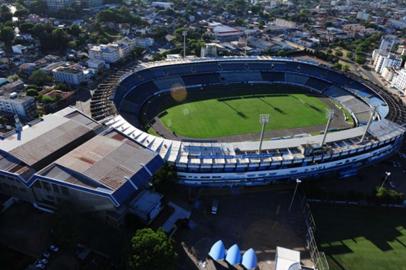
[
  {"x": 23, "y": 106},
  {"x": 399, "y": 80},
  {"x": 282, "y": 23},
  {"x": 209, "y": 50},
  {"x": 386, "y": 60},
  {"x": 388, "y": 74},
  {"x": 112, "y": 52},
  {"x": 387, "y": 43},
  {"x": 69, "y": 74},
  {"x": 362, "y": 15}
]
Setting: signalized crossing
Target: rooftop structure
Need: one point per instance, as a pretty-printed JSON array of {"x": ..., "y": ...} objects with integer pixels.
[{"x": 69, "y": 156}]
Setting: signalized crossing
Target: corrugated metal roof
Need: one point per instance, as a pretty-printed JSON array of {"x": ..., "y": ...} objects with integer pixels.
[{"x": 107, "y": 159}]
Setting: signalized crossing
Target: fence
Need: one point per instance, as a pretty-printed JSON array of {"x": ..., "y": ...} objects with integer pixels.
[{"x": 318, "y": 258}]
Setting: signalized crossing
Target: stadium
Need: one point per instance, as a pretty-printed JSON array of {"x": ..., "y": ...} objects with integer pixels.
[{"x": 203, "y": 116}]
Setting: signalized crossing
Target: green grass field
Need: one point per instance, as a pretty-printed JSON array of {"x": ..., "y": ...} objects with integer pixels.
[
  {"x": 355, "y": 238},
  {"x": 218, "y": 118}
]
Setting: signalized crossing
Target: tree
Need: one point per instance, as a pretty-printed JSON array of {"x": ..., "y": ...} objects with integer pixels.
[
  {"x": 151, "y": 250},
  {"x": 164, "y": 179},
  {"x": 38, "y": 7},
  {"x": 5, "y": 14},
  {"x": 26, "y": 27},
  {"x": 360, "y": 59},
  {"x": 39, "y": 77},
  {"x": 7, "y": 35},
  {"x": 386, "y": 195},
  {"x": 32, "y": 92}
]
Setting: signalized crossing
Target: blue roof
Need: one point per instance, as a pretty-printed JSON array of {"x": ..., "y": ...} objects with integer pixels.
[
  {"x": 233, "y": 255},
  {"x": 218, "y": 251},
  {"x": 249, "y": 259}
]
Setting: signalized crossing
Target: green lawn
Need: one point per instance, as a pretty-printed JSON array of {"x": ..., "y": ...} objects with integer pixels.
[
  {"x": 355, "y": 238},
  {"x": 217, "y": 118}
]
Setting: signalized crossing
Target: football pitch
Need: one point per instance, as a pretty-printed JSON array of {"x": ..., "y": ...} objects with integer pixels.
[
  {"x": 358, "y": 238},
  {"x": 240, "y": 115}
]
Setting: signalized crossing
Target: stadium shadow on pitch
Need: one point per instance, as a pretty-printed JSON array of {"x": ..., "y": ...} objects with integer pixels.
[
  {"x": 241, "y": 114},
  {"x": 273, "y": 107}
]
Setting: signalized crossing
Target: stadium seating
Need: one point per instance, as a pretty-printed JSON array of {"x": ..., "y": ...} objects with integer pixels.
[{"x": 214, "y": 79}]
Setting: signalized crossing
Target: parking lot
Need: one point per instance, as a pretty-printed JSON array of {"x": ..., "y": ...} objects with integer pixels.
[{"x": 258, "y": 220}]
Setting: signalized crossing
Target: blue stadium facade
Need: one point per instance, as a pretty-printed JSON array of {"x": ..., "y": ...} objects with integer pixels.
[{"x": 239, "y": 163}]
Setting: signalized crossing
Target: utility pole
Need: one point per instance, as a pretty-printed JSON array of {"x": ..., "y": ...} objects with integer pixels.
[
  {"x": 387, "y": 174},
  {"x": 263, "y": 120},
  {"x": 298, "y": 181}
]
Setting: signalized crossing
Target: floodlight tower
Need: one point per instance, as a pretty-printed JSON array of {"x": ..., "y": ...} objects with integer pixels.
[
  {"x": 184, "y": 33},
  {"x": 330, "y": 115},
  {"x": 371, "y": 118},
  {"x": 263, "y": 120}
]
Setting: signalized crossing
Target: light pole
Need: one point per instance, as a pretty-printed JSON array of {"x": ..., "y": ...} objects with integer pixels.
[
  {"x": 371, "y": 118},
  {"x": 263, "y": 120},
  {"x": 330, "y": 115},
  {"x": 387, "y": 174},
  {"x": 184, "y": 33},
  {"x": 298, "y": 181}
]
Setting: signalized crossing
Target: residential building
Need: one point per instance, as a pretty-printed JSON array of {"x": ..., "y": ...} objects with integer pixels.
[
  {"x": 399, "y": 80},
  {"x": 112, "y": 52},
  {"x": 11, "y": 102},
  {"x": 363, "y": 15},
  {"x": 388, "y": 74},
  {"x": 226, "y": 33},
  {"x": 285, "y": 24},
  {"x": 23, "y": 106},
  {"x": 209, "y": 50},
  {"x": 383, "y": 60},
  {"x": 69, "y": 74},
  {"x": 387, "y": 44}
]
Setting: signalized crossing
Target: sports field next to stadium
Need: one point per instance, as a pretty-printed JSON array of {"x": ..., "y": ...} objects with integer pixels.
[
  {"x": 361, "y": 238},
  {"x": 215, "y": 118}
]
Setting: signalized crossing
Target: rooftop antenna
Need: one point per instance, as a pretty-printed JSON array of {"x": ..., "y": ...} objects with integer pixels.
[
  {"x": 371, "y": 118},
  {"x": 19, "y": 127},
  {"x": 330, "y": 115}
]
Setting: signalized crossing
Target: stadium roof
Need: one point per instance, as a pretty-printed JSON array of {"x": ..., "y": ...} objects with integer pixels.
[
  {"x": 43, "y": 142},
  {"x": 107, "y": 161}
]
